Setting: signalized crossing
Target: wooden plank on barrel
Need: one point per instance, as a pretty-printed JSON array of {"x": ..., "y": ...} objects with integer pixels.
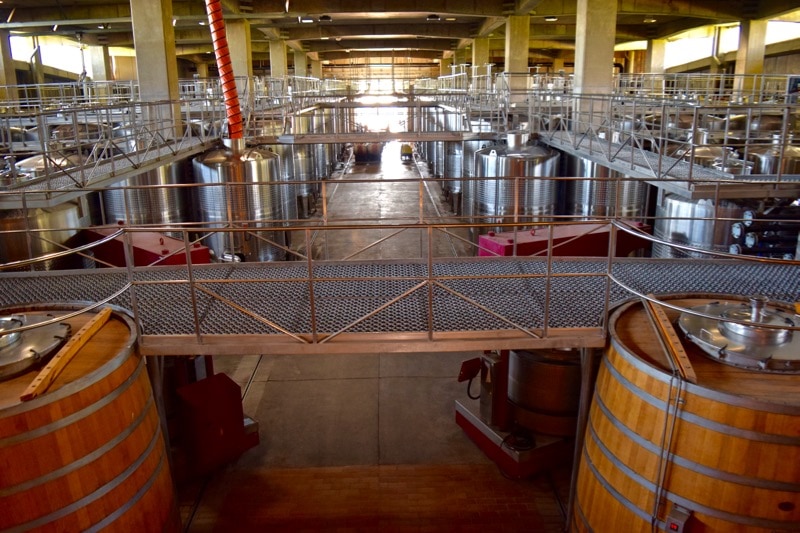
[
  {"x": 672, "y": 343},
  {"x": 51, "y": 371}
]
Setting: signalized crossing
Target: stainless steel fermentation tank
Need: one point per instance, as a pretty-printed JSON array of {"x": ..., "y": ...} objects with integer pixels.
[
  {"x": 33, "y": 233},
  {"x": 453, "y": 172},
  {"x": 297, "y": 165},
  {"x": 465, "y": 188},
  {"x": 701, "y": 224},
  {"x": 155, "y": 197},
  {"x": 603, "y": 193},
  {"x": 511, "y": 189},
  {"x": 304, "y": 163},
  {"x": 240, "y": 187},
  {"x": 778, "y": 157}
]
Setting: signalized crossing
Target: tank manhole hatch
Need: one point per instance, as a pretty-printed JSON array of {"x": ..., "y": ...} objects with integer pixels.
[
  {"x": 751, "y": 335},
  {"x": 21, "y": 349}
]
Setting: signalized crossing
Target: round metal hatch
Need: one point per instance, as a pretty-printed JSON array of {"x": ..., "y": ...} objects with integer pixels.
[
  {"x": 750, "y": 335},
  {"x": 20, "y": 350}
]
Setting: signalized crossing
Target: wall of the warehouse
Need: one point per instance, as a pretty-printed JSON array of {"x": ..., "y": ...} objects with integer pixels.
[{"x": 781, "y": 58}]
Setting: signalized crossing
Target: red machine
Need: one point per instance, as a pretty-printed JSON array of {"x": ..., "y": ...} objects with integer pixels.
[
  {"x": 149, "y": 248},
  {"x": 572, "y": 240}
]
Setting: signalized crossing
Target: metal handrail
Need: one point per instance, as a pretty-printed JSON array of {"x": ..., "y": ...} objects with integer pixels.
[{"x": 425, "y": 223}]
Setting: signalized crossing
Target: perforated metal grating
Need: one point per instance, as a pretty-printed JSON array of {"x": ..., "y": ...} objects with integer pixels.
[{"x": 574, "y": 296}]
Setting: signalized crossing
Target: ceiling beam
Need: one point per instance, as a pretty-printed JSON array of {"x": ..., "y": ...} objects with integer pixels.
[
  {"x": 417, "y": 55},
  {"x": 384, "y": 8},
  {"x": 379, "y": 44},
  {"x": 317, "y": 31},
  {"x": 524, "y": 7}
]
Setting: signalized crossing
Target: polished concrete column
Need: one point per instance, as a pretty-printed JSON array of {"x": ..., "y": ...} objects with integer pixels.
[
  {"x": 239, "y": 43},
  {"x": 654, "y": 57},
  {"x": 460, "y": 56},
  {"x": 558, "y": 62},
  {"x": 518, "y": 30},
  {"x": 480, "y": 51},
  {"x": 750, "y": 55},
  {"x": 278, "y": 61},
  {"x": 444, "y": 66},
  {"x": 635, "y": 61},
  {"x": 202, "y": 70},
  {"x": 594, "y": 46},
  {"x": 101, "y": 63},
  {"x": 154, "y": 41},
  {"x": 238, "y": 34},
  {"x": 316, "y": 69},
  {"x": 8, "y": 75},
  {"x": 300, "y": 64}
]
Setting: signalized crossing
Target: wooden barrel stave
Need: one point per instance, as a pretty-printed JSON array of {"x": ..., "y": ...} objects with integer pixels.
[
  {"x": 736, "y": 457},
  {"x": 71, "y": 438},
  {"x": 713, "y": 442},
  {"x": 89, "y": 453}
]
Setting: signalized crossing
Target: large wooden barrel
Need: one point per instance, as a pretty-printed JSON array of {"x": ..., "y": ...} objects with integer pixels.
[
  {"x": 87, "y": 454},
  {"x": 724, "y": 452}
]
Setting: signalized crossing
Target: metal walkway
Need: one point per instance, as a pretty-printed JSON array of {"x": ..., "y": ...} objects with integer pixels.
[{"x": 389, "y": 306}]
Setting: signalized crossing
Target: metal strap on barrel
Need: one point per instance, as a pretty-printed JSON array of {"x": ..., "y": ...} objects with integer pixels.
[
  {"x": 715, "y": 473},
  {"x": 78, "y": 415},
  {"x": 144, "y": 489},
  {"x": 88, "y": 458},
  {"x": 102, "y": 491},
  {"x": 700, "y": 421},
  {"x": 674, "y": 498}
]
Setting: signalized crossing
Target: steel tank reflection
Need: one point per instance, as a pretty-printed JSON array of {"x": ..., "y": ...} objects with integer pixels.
[
  {"x": 605, "y": 192},
  {"x": 242, "y": 188},
  {"x": 302, "y": 165},
  {"x": 696, "y": 223},
  {"x": 297, "y": 165},
  {"x": 501, "y": 198},
  {"x": 155, "y": 197},
  {"x": 323, "y": 153},
  {"x": 471, "y": 147},
  {"x": 436, "y": 148},
  {"x": 779, "y": 157},
  {"x": 453, "y": 172},
  {"x": 32, "y": 233}
]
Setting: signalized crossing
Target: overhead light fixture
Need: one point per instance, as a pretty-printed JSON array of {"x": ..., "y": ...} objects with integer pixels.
[
  {"x": 550, "y": 19},
  {"x": 324, "y": 38},
  {"x": 434, "y": 18},
  {"x": 450, "y": 19},
  {"x": 305, "y": 20},
  {"x": 55, "y": 26},
  {"x": 649, "y": 20},
  {"x": 202, "y": 23}
]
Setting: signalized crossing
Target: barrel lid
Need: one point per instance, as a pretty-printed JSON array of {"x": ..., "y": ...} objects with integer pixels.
[
  {"x": 751, "y": 335},
  {"x": 21, "y": 349}
]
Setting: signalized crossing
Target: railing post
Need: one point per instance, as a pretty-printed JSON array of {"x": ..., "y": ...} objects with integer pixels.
[
  {"x": 192, "y": 290},
  {"x": 311, "y": 300}
]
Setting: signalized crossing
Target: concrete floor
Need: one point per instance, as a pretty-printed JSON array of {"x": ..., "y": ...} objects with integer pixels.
[{"x": 365, "y": 442}]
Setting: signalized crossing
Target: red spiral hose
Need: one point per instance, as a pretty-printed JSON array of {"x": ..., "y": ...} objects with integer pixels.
[{"x": 230, "y": 95}]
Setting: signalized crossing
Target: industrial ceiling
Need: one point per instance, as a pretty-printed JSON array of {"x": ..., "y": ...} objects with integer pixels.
[{"x": 420, "y": 31}]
